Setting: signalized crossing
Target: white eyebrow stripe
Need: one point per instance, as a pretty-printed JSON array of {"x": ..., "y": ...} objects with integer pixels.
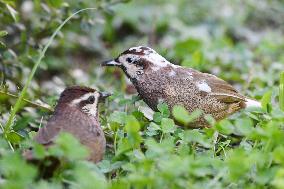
[{"x": 82, "y": 98}]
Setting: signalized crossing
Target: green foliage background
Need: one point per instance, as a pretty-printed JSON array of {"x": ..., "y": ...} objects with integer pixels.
[{"x": 240, "y": 41}]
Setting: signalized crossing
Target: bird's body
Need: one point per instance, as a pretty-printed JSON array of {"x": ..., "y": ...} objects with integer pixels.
[
  {"x": 87, "y": 130},
  {"x": 175, "y": 86},
  {"x": 71, "y": 117},
  {"x": 157, "y": 80}
]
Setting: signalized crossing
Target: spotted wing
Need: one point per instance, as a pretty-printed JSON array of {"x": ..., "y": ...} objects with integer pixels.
[{"x": 222, "y": 90}]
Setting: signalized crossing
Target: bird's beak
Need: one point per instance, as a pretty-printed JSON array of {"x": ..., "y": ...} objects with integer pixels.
[
  {"x": 103, "y": 96},
  {"x": 110, "y": 63}
]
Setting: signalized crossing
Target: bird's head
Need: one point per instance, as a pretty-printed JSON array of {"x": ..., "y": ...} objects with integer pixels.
[
  {"x": 136, "y": 61},
  {"x": 84, "y": 98}
]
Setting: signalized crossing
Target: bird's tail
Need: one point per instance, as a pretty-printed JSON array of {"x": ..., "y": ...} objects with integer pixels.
[{"x": 250, "y": 103}]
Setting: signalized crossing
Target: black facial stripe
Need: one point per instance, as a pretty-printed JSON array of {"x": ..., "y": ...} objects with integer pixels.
[
  {"x": 90, "y": 100},
  {"x": 125, "y": 71}
]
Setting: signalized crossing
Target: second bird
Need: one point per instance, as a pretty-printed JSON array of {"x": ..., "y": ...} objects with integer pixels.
[
  {"x": 157, "y": 80},
  {"x": 77, "y": 113}
]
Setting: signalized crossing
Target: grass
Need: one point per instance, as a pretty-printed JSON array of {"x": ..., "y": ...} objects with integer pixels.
[
  {"x": 20, "y": 99},
  {"x": 281, "y": 91},
  {"x": 243, "y": 151}
]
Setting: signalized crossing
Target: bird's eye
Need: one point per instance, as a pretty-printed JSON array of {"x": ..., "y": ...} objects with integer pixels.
[
  {"x": 129, "y": 60},
  {"x": 91, "y": 99}
]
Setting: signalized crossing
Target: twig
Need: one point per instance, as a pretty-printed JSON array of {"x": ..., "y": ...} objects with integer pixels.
[{"x": 34, "y": 104}]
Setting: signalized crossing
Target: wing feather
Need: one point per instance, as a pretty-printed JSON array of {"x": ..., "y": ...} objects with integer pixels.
[{"x": 222, "y": 90}]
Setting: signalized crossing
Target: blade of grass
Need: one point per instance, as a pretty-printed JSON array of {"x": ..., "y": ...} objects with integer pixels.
[
  {"x": 9, "y": 143},
  {"x": 17, "y": 105},
  {"x": 281, "y": 91}
]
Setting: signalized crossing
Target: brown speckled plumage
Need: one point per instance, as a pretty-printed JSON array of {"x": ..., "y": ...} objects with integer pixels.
[
  {"x": 71, "y": 119},
  {"x": 180, "y": 89},
  {"x": 157, "y": 80}
]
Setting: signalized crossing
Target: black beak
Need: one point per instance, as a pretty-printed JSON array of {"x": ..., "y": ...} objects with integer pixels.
[
  {"x": 110, "y": 63},
  {"x": 103, "y": 96}
]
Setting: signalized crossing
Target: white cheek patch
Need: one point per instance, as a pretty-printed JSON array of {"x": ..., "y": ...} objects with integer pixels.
[
  {"x": 203, "y": 86},
  {"x": 132, "y": 70},
  {"x": 90, "y": 109}
]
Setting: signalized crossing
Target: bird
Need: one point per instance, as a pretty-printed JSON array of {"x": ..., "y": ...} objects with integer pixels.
[
  {"x": 159, "y": 81},
  {"x": 77, "y": 113}
]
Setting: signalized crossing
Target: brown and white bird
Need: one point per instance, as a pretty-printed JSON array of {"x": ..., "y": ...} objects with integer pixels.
[
  {"x": 77, "y": 113},
  {"x": 158, "y": 80}
]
